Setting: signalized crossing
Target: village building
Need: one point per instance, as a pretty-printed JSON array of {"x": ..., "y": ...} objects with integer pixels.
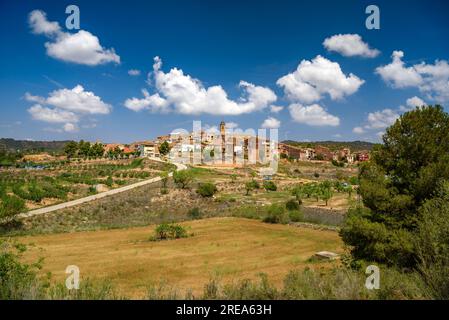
[
  {"x": 222, "y": 147},
  {"x": 149, "y": 149},
  {"x": 323, "y": 153}
]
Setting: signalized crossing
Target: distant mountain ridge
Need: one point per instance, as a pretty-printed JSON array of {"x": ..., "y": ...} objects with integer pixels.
[
  {"x": 32, "y": 146},
  {"x": 354, "y": 146}
]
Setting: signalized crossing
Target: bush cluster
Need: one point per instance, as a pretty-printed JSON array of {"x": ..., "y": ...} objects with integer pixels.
[
  {"x": 166, "y": 231},
  {"x": 206, "y": 189}
]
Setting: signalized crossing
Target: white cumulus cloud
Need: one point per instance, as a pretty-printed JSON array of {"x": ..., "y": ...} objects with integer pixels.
[
  {"x": 382, "y": 119},
  {"x": 180, "y": 93},
  {"x": 81, "y": 47},
  {"x": 312, "y": 79},
  {"x": 78, "y": 100},
  {"x": 276, "y": 109},
  {"x": 271, "y": 123},
  {"x": 415, "y": 102},
  {"x": 397, "y": 74},
  {"x": 350, "y": 45},
  {"x": 134, "y": 72},
  {"x": 358, "y": 130},
  {"x": 313, "y": 115},
  {"x": 52, "y": 115},
  {"x": 70, "y": 127},
  {"x": 66, "y": 106},
  {"x": 430, "y": 79}
]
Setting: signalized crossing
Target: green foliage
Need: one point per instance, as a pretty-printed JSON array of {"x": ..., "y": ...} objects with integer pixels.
[
  {"x": 84, "y": 148},
  {"x": 164, "y": 179},
  {"x": 374, "y": 241},
  {"x": 298, "y": 192},
  {"x": 432, "y": 243},
  {"x": 167, "y": 231},
  {"x": 338, "y": 163},
  {"x": 276, "y": 214},
  {"x": 248, "y": 187},
  {"x": 354, "y": 180},
  {"x": 109, "y": 181},
  {"x": 183, "y": 178},
  {"x": 195, "y": 213},
  {"x": 269, "y": 185},
  {"x": 96, "y": 150},
  {"x": 295, "y": 216},
  {"x": 206, "y": 189},
  {"x": 403, "y": 174},
  {"x": 164, "y": 148},
  {"x": 10, "y": 206},
  {"x": 251, "y": 185},
  {"x": 337, "y": 283},
  {"x": 71, "y": 149},
  {"x": 292, "y": 205},
  {"x": 17, "y": 280},
  {"x": 325, "y": 191}
]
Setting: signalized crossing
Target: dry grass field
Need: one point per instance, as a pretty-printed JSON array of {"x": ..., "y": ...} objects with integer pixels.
[{"x": 230, "y": 248}]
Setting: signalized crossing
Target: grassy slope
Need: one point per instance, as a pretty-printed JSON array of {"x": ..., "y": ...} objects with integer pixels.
[{"x": 231, "y": 248}]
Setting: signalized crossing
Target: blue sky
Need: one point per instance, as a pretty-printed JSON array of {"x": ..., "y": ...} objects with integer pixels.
[{"x": 53, "y": 87}]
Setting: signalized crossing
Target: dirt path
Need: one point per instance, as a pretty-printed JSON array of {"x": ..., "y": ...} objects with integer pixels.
[{"x": 96, "y": 196}]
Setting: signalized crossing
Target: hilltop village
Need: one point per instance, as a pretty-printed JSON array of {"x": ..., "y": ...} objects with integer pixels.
[{"x": 229, "y": 148}]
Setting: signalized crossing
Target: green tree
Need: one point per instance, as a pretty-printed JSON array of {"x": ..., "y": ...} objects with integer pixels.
[
  {"x": 207, "y": 189},
  {"x": 403, "y": 173},
  {"x": 183, "y": 178},
  {"x": 298, "y": 192},
  {"x": 269, "y": 185},
  {"x": 432, "y": 243},
  {"x": 84, "y": 148},
  {"x": 251, "y": 185},
  {"x": 164, "y": 179},
  {"x": 325, "y": 193},
  {"x": 70, "y": 149},
  {"x": 10, "y": 206},
  {"x": 97, "y": 150},
  {"x": 18, "y": 280},
  {"x": 164, "y": 148}
]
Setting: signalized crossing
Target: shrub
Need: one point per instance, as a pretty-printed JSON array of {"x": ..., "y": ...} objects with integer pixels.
[
  {"x": 167, "y": 231},
  {"x": 316, "y": 174},
  {"x": 374, "y": 241},
  {"x": 269, "y": 185},
  {"x": 109, "y": 181},
  {"x": 194, "y": 213},
  {"x": 432, "y": 243},
  {"x": 251, "y": 185},
  {"x": 276, "y": 214},
  {"x": 17, "y": 280},
  {"x": 298, "y": 192},
  {"x": 295, "y": 216},
  {"x": 10, "y": 206},
  {"x": 164, "y": 179},
  {"x": 292, "y": 205},
  {"x": 207, "y": 189},
  {"x": 183, "y": 178}
]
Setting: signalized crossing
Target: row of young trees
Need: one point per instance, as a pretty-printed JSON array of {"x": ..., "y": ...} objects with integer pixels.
[
  {"x": 83, "y": 149},
  {"x": 323, "y": 191}
]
